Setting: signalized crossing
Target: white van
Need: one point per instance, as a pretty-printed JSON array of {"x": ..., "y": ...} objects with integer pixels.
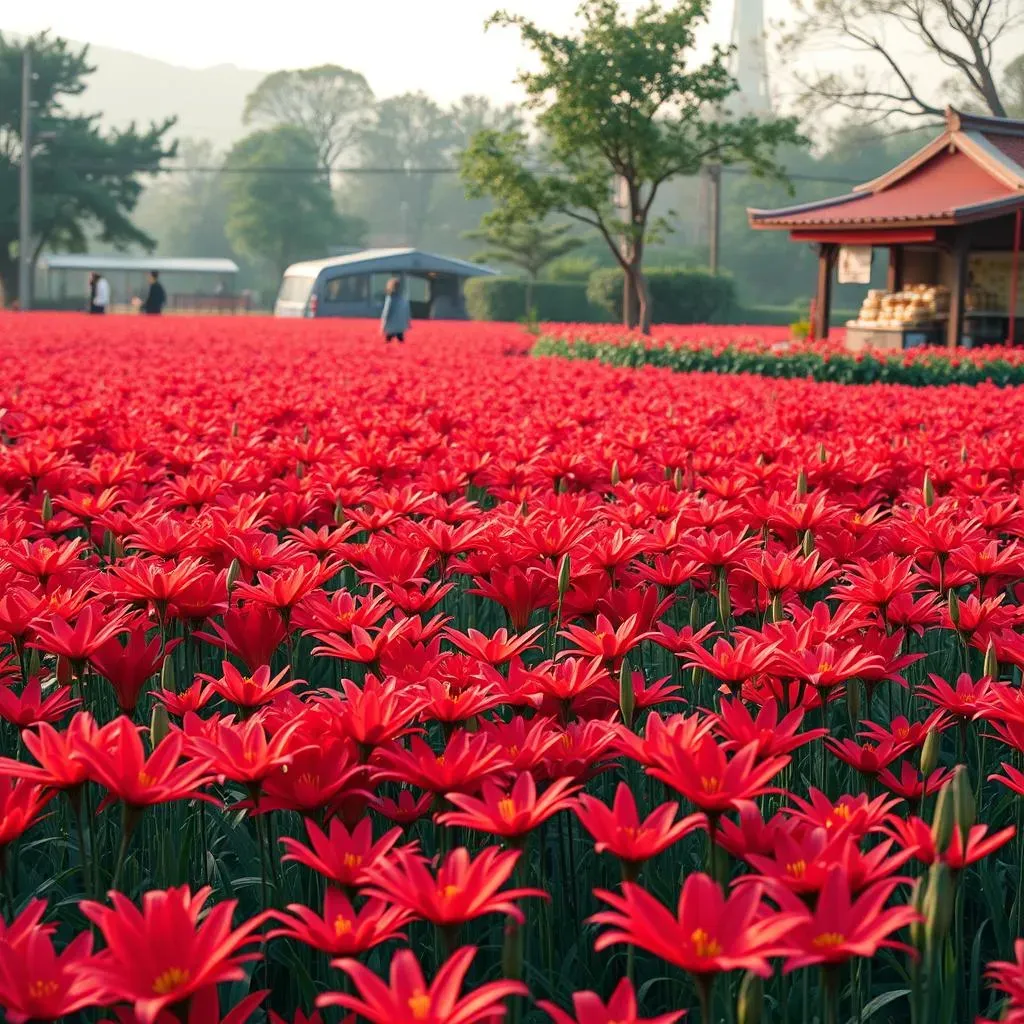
[{"x": 353, "y": 285}]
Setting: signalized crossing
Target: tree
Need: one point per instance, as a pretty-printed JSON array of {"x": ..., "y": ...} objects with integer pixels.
[
  {"x": 83, "y": 180},
  {"x": 333, "y": 104},
  {"x": 618, "y": 101},
  {"x": 1013, "y": 86},
  {"x": 280, "y": 207},
  {"x": 906, "y": 44},
  {"x": 528, "y": 246}
]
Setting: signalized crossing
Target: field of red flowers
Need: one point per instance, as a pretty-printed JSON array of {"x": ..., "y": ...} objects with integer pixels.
[{"x": 434, "y": 683}]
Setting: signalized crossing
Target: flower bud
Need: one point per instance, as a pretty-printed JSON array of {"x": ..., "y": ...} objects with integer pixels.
[
  {"x": 991, "y": 667},
  {"x": 954, "y": 609},
  {"x": 695, "y": 622},
  {"x": 47, "y": 511},
  {"x": 928, "y": 491},
  {"x": 677, "y": 479},
  {"x": 34, "y": 663},
  {"x": 801, "y": 484},
  {"x": 627, "y": 697},
  {"x": 615, "y": 473},
  {"x": 917, "y": 902},
  {"x": 964, "y": 804},
  {"x": 339, "y": 513},
  {"x": 234, "y": 429},
  {"x": 822, "y": 454},
  {"x": 234, "y": 571},
  {"x": 300, "y": 470},
  {"x": 750, "y": 1003},
  {"x": 724, "y": 605},
  {"x": 159, "y": 725},
  {"x": 963, "y": 454},
  {"x": 944, "y": 818},
  {"x": 853, "y": 702},
  {"x": 564, "y": 574},
  {"x": 167, "y": 681},
  {"x": 807, "y": 544},
  {"x": 938, "y": 902},
  {"x": 930, "y": 752}
]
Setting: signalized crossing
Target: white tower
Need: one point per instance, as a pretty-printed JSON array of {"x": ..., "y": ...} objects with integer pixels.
[{"x": 750, "y": 59}]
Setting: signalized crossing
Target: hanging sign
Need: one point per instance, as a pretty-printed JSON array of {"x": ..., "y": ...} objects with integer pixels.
[{"x": 855, "y": 264}]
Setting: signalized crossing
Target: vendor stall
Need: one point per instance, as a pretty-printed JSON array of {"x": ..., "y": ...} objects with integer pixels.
[{"x": 950, "y": 221}]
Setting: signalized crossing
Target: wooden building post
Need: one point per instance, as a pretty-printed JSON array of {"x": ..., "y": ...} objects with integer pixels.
[
  {"x": 958, "y": 286},
  {"x": 894, "y": 278},
  {"x": 1018, "y": 226},
  {"x": 823, "y": 303}
]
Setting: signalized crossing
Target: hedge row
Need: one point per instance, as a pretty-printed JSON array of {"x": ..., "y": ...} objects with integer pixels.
[{"x": 923, "y": 368}]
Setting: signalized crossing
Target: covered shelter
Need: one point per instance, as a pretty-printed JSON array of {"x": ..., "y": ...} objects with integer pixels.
[
  {"x": 949, "y": 218},
  {"x": 198, "y": 285},
  {"x": 353, "y": 284}
]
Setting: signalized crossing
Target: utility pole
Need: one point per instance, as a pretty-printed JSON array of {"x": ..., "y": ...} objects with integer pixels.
[
  {"x": 714, "y": 172},
  {"x": 25, "y": 200}
]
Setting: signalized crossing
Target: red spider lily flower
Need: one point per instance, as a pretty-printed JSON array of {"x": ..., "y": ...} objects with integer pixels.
[
  {"x": 117, "y": 761},
  {"x": 874, "y": 584},
  {"x": 621, "y": 1009},
  {"x": 79, "y": 642},
  {"x": 494, "y": 650},
  {"x": 35, "y": 982},
  {"x": 58, "y": 765},
  {"x": 902, "y": 732},
  {"x": 604, "y": 699},
  {"x": 405, "y": 809},
  {"x": 910, "y": 785},
  {"x": 786, "y": 570},
  {"x": 915, "y": 836},
  {"x": 362, "y": 648},
  {"x": 510, "y": 812},
  {"x": 619, "y": 830},
  {"x": 917, "y": 615},
  {"x": 342, "y": 857},
  {"x": 683, "y": 641},
  {"x": 287, "y": 586},
  {"x": 408, "y": 998},
  {"x": 826, "y": 665},
  {"x": 734, "y": 663},
  {"x": 519, "y": 592},
  {"x": 1008, "y": 977},
  {"x": 203, "y": 1008},
  {"x": 339, "y": 611},
  {"x": 855, "y": 815},
  {"x": 714, "y": 782},
  {"x": 252, "y": 633},
  {"x": 160, "y": 956},
  {"x": 710, "y": 932},
  {"x": 128, "y": 667},
  {"x": 841, "y": 927},
  {"x": 19, "y": 609},
  {"x": 566, "y": 679},
  {"x": 379, "y": 712},
  {"x": 242, "y": 751},
  {"x": 341, "y": 930},
  {"x": 605, "y": 641},
  {"x": 323, "y": 772},
  {"x": 462, "y": 890},
  {"x": 156, "y": 580},
  {"x": 771, "y": 735},
  {"x": 180, "y": 704},
  {"x": 448, "y": 704},
  {"x": 466, "y": 760},
  {"x": 21, "y": 802},
  {"x": 963, "y": 701},
  {"x": 248, "y": 691},
  {"x": 751, "y": 834},
  {"x": 205, "y": 596},
  {"x": 583, "y": 751},
  {"x": 44, "y": 558},
  {"x": 29, "y": 707},
  {"x": 867, "y": 758},
  {"x": 801, "y": 860},
  {"x": 719, "y": 550},
  {"x": 662, "y": 736},
  {"x": 525, "y": 743}
]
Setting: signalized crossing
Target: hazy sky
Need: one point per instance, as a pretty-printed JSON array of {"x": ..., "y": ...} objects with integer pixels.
[{"x": 399, "y": 45}]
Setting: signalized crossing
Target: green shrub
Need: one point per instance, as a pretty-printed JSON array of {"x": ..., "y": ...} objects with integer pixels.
[
  {"x": 800, "y": 329},
  {"x": 571, "y": 268},
  {"x": 505, "y": 299},
  {"x": 678, "y": 296}
]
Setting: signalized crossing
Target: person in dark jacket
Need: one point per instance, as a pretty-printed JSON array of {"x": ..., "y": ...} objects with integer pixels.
[{"x": 156, "y": 297}]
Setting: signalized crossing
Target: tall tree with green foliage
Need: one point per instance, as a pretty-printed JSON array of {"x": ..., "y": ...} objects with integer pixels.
[
  {"x": 278, "y": 211},
  {"x": 333, "y": 104},
  {"x": 84, "y": 181},
  {"x": 528, "y": 246},
  {"x": 622, "y": 102}
]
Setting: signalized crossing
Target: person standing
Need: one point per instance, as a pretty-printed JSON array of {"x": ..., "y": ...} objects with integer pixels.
[
  {"x": 394, "y": 321},
  {"x": 156, "y": 297},
  {"x": 99, "y": 293}
]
